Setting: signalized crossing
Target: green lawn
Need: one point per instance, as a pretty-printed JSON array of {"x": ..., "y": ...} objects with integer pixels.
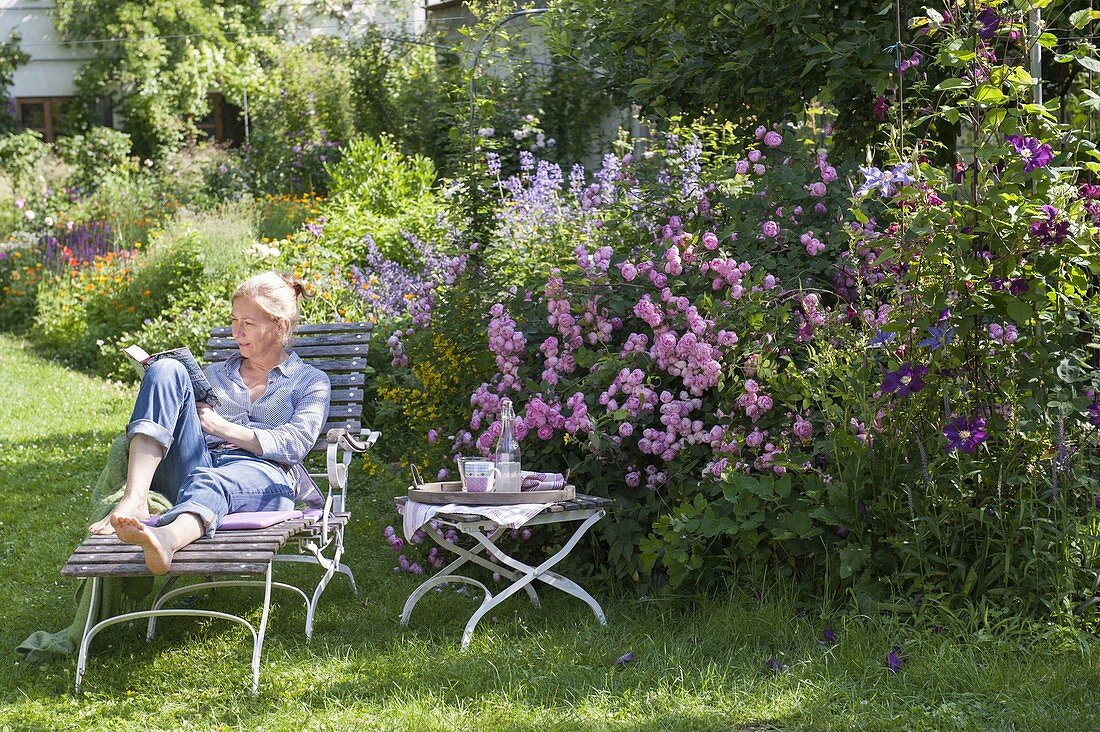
[{"x": 699, "y": 663}]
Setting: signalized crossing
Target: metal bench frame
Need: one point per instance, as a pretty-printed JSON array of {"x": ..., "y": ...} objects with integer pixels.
[{"x": 242, "y": 556}]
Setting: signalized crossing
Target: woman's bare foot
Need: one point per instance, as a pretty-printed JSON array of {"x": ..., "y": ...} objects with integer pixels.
[
  {"x": 158, "y": 557},
  {"x": 137, "y": 509}
]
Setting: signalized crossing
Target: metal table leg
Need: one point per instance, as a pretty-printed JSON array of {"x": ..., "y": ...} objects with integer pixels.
[
  {"x": 530, "y": 574},
  {"x": 449, "y": 573}
]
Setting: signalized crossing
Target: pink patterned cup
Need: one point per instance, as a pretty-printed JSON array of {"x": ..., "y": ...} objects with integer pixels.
[{"x": 478, "y": 476}]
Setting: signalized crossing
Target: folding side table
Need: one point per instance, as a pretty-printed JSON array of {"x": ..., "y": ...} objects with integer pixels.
[{"x": 585, "y": 509}]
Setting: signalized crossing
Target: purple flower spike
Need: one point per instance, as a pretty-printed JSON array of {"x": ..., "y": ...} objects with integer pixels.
[
  {"x": 625, "y": 658},
  {"x": 896, "y": 659},
  {"x": 1033, "y": 152},
  {"x": 963, "y": 434}
]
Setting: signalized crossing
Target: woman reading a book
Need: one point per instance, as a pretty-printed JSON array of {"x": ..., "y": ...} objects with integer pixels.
[{"x": 243, "y": 455}]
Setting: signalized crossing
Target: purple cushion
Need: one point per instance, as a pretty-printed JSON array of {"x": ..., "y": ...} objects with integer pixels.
[
  {"x": 249, "y": 519},
  {"x": 313, "y": 514},
  {"x": 257, "y": 519}
]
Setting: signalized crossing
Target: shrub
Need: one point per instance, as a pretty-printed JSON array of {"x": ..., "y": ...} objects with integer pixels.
[
  {"x": 768, "y": 384},
  {"x": 96, "y": 156},
  {"x": 21, "y": 155},
  {"x": 381, "y": 193},
  {"x": 301, "y": 116}
]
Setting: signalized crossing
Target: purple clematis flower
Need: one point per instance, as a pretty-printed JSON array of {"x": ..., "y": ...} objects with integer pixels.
[
  {"x": 1018, "y": 286},
  {"x": 939, "y": 336},
  {"x": 886, "y": 182},
  {"x": 896, "y": 659},
  {"x": 988, "y": 23},
  {"x": 963, "y": 434},
  {"x": 1088, "y": 191},
  {"x": 911, "y": 63},
  {"x": 1034, "y": 153},
  {"x": 881, "y": 338},
  {"x": 1094, "y": 414},
  {"x": 905, "y": 381},
  {"x": 1048, "y": 231}
]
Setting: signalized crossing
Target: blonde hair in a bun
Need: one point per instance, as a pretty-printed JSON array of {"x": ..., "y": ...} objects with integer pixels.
[{"x": 277, "y": 294}]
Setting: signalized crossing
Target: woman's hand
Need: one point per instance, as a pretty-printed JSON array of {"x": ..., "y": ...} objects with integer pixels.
[
  {"x": 218, "y": 426},
  {"x": 211, "y": 422}
]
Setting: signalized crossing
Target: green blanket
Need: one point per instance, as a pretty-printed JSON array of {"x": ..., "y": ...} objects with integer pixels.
[{"x": 119, "y": 594}]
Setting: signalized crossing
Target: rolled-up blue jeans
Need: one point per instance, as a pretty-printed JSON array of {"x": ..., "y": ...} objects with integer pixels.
[{"x": 208, "y": 483}]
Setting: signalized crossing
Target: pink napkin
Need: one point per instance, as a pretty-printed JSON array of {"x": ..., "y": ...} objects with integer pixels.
[{"x": 531, "y": 481}]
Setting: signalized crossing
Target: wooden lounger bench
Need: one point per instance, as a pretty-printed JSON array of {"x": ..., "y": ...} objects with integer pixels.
[{"x": 246, "y": 546}]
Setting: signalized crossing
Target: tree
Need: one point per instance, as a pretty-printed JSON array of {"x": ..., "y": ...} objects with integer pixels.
[
  {"x": 11, "y": 57},
  {"x": 157, "y": 60},
  {"x": 750, "y": 60}
]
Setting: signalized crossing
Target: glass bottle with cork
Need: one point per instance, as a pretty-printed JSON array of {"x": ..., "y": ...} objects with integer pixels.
[{"x": 506, "y": 455}]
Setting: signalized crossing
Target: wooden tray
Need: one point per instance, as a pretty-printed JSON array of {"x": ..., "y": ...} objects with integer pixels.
[{"x": 451, "y": 492}]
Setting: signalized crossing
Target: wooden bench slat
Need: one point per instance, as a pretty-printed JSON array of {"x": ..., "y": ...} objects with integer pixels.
[
  {"x": 338, "y": 380},
  {"x": 353, "y": 395},
  {"x": 310, "y": 328},
  {"x": 94, "y": 543},
  {"x": 216, "y": 544},
  {"x": 350, "y": 424},
  {"x": 304, "y": 352},
  {"x": 136, "y": 555},
  {"x": 347, "y": 338},
  {"x": 140, "y": 570}
]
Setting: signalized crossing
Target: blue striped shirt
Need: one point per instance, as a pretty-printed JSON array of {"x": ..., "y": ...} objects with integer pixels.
[{"x": 287, "y": 419}]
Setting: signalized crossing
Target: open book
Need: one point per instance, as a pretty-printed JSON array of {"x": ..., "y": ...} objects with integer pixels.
[{"x": 204, "y": 392}]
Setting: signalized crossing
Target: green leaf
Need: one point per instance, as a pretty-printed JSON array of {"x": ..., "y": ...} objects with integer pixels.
[
  {"x": 1032, "y": 108},
  {"x": 1047, "y": 40},
  {"x": 947, "y": 84},
  {"x": 1089, "y": 63},
  {"x": 1082, "y": 17},
  {"x": 1020, "y": 76},
  {"x": 799, "y": 523},
  {"x": 994, "y": 119},
  {"x": 1019, "y": 311},
  {"x": 989, "y": 94}
]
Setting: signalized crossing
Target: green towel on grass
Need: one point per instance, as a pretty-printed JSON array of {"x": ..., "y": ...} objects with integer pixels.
[{"x": 118, "y": 594}]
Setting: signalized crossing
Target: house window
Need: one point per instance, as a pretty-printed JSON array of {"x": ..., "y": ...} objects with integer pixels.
[
  {"x": 222, "y": 123},
  {"x": 44, "y": 115}
]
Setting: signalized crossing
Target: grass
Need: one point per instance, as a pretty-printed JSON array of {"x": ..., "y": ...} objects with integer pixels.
[{"x": 698, "y": 661}]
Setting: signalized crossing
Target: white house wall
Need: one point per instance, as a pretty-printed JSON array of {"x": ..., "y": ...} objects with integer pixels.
[{"x": 53, "y": 66}]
